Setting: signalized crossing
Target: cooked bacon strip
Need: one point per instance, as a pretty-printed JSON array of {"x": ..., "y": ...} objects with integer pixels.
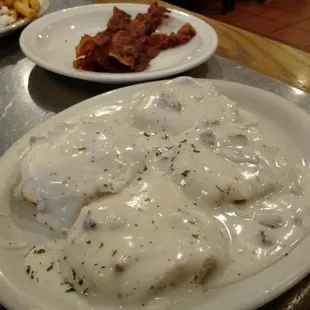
[
  {"x": 159, "y": 42},
  {"x": 129, "y": 45},
  {"x": 119, "y": 20},
  {"x": 86, "y": 45},
  {"x": 157, "y": 13},
  {"x": 165, "y": 41}
]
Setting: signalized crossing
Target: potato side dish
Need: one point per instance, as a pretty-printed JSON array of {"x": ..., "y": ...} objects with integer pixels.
[{"x": 15, "y": 10}]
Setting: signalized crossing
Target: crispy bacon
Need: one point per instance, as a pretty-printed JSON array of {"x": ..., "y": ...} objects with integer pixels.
[
  {"x": 165, "y": 41},
  {"x": 86, "y": 45},
  {"x": 119, "y": 20},
  {"x": 128, "y": 45}
]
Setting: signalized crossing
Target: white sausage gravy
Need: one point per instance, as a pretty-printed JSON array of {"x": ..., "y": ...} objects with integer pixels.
[{"x": 164, "y": 196}]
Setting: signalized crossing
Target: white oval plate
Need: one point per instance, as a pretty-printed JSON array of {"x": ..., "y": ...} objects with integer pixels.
[
  {"x": 50, "y": 42},
  {"x": 283, "y": 121},
  {"x": 4, "y": 31}
]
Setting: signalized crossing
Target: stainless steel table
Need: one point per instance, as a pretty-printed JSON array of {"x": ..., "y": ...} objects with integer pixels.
[{"x": 29, "y": 94}]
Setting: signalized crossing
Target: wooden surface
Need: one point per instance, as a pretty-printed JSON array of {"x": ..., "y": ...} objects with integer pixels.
[{"x": 277, "y": 60}]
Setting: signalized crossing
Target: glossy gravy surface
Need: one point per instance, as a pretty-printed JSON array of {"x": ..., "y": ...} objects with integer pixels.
[{"x": 160, "y": 198}]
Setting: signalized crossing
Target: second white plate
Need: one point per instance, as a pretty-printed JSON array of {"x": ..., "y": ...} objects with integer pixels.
[
  {"x": 286, "y": 124},
  {"x": 50, "y": 42}
]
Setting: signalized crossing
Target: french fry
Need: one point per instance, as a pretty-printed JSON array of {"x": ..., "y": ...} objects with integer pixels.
[
  {"x": 13, "y": 14},
  {"x": 25, "y": 3},
  {"x": 25, "y": 11},
  {"x": 8, "y": 3},
  {"x": 34, "y": 4},
  {"x": 22, "y": 8}
]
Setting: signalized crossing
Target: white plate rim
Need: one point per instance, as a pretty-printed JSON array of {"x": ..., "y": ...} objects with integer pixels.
[
  {"x": 119, "y": 77},
  {"x": 24, "y": 22},
  {"x": 250, "y": 293}
]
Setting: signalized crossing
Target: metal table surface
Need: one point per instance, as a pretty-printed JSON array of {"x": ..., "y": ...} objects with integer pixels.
[{"x": 29, "y": 95}]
